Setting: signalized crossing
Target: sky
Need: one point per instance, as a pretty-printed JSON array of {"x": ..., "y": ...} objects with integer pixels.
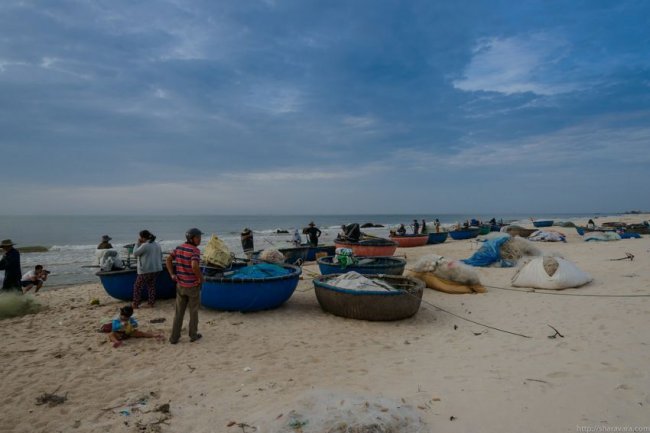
[{"x": 311, "y": 107}]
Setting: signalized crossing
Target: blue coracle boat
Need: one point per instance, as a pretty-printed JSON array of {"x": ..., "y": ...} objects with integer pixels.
[
  {"x": 465, "y": 233},
  {"x": 249, "y": 290},
  {"x": 543, "y": 223},
  {"x": 437, "y": 238},
  {"x": 119, "y": 284},
  {"x": 365, "y": 265},
  {"x": 311, "y": 254}
]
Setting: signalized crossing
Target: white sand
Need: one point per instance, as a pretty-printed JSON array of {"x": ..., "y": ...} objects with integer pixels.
[{"x": 251, "y": 366}]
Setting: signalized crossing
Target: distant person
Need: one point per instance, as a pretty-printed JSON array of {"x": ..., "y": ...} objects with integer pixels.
[
  {"x": 350, "y": 233},
  {"x": 401, "y": 230},
  {"x": 35, "y": 277},
  {"x": 10, "y": 263},
  {"x": 247, "y": 241},
  {"x": 187, "y": 274},
  {"x": 591, "y": 224},
  {"x": 313, "y": 233},
  {"x": 436, "y": 224},
  {"x": 149, "y": 256},
  {"x": 424, "y": 230},
  {"x": 416, "y": 227},
  {"x": 296, "y": 240},
  {"x": 125, "y": 326},
  {"x": 493, "y": 222},
  {"x": 105, "y": 244}
]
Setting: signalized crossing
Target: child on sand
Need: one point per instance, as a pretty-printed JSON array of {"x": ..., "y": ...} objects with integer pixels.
[{"x": 125, "y": 327}]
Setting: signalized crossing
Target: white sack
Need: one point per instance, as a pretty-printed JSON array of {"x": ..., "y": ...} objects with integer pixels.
[{"x": 533, "y": 274}]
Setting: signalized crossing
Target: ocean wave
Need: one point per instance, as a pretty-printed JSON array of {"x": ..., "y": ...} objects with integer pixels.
[{"x": 72, "y": 247}]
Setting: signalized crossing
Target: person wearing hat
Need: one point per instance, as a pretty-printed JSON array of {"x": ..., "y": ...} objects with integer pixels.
[
  {"x": 313, "y": 233},
  {"x": 183, "y": 267},
  {"x": 105, "y": 243},
  {"x": 10, "y": 263},
  {"x": 247, "y": 241}
]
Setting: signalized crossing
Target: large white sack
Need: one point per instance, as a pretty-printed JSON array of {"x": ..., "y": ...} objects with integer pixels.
[{"x": 533, "y": 274}]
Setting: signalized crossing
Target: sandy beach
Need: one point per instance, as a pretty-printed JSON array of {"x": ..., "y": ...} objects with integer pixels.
[{"x": 250, "y": 370}]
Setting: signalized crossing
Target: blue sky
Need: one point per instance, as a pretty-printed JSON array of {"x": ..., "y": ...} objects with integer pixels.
[{"x": 305, "y": 107}]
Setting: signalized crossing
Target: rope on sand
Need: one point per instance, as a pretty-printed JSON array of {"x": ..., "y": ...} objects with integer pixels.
[
  {"x": 474, "y": 321},
  {"x": 591, "y": 295}
]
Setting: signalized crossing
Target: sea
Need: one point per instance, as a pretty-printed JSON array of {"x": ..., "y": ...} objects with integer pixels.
[{"x": 69, "y": 241}]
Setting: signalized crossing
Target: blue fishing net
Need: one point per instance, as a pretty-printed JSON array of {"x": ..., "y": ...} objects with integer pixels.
[
  {"x": 489, "y": 253},
  {"x": 261, "y": 270}
]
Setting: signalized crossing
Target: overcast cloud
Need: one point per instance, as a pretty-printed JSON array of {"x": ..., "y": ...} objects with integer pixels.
[{"x": 296, "y": 106}]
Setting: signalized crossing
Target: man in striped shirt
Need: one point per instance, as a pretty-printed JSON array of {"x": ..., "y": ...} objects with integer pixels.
[{"x": 183, "y": 266}]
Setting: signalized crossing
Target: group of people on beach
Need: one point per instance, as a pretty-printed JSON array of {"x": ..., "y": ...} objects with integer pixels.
[
  {"x": 416, "y": 228},
  {"x": 14, "y": 280},
  {"x": 183, "y": 265}
]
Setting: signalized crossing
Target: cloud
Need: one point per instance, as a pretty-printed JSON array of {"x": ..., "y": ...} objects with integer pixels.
[
  {"x": 591, "y": 144},
  {"x": 359, "y": 121},
  {"x": 274, "y": 98},
  {"x": 517, "y": 65}
]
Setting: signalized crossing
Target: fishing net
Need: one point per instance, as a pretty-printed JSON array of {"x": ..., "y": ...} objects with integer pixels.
[
  {"x": 272, "y": 256},
  {"x": 17, "y": 304},
  {"x": 452, "y": 270},
  {"x": 355, "y": 281},
  {"x": 329, "y": 412},
  {"x": 516, "y": 248}
]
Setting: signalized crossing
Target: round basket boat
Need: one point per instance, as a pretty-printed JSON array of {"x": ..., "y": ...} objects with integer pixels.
[
  {"x": 464, "y": 234},
  {"x": 519, "y": 231},
  {"x": 408, "y": 241},
  {"x": 119, "y": 284},
  {"x": 437, "y": 238},
  {"x": 484, "y": 229},
  {"x": 250, "y": 294},
  {"x": 365, "y": 266},
  {"x": 369, "y": 248},
  {"x": 543, "y": 223},
  {"x": 327, "y": 249},
  {"x": 371, "y": 305}
]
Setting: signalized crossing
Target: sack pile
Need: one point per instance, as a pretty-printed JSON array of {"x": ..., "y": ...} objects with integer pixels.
[
  {"x": 217, "y": 253},
  {"x": 554, "y": 273},
  {"x": 449, "y": 276}
]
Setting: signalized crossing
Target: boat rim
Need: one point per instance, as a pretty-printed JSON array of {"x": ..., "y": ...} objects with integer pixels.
[{"x": 418, "y": 284}]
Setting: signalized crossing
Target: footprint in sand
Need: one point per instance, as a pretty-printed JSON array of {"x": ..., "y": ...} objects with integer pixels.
[{"x": 557, "y": 374}]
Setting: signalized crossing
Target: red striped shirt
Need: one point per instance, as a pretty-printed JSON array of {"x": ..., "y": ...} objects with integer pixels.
[{"x": 183, "y": 257}]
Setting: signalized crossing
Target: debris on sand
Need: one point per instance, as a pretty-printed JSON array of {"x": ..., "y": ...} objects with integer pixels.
[{"x": 51, "y": 399}]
